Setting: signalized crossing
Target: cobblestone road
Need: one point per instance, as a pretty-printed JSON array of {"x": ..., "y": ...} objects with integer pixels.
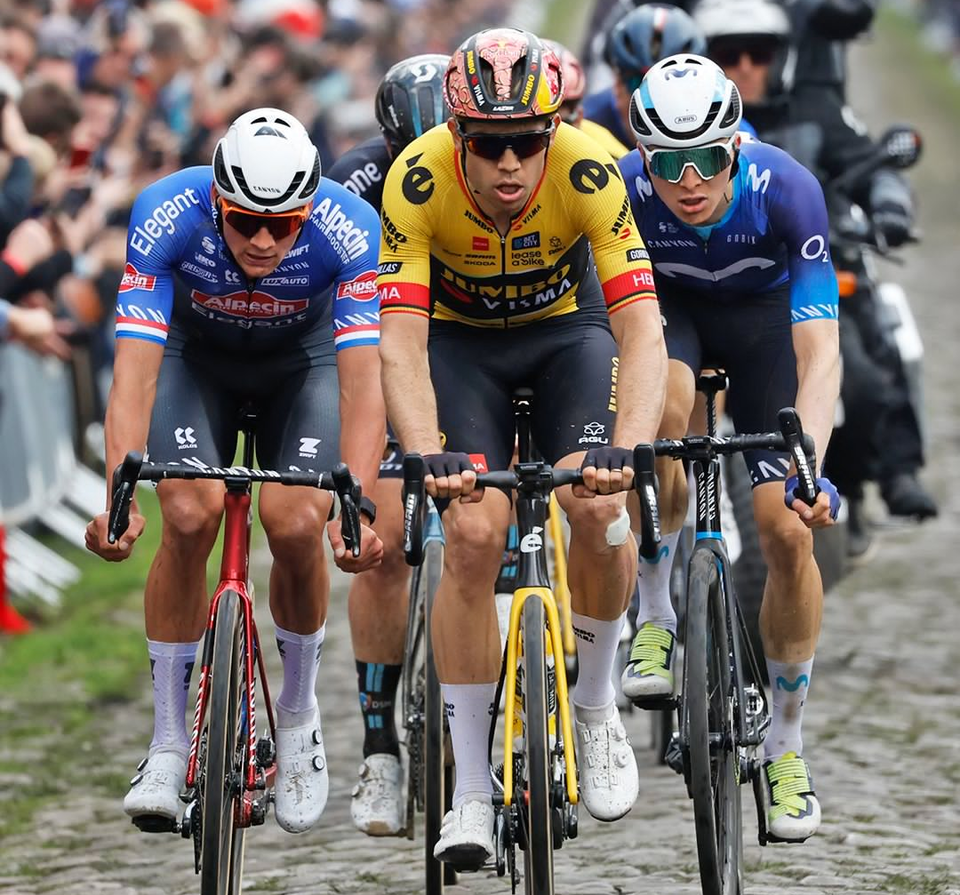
[{"x": 883, "y": 728}]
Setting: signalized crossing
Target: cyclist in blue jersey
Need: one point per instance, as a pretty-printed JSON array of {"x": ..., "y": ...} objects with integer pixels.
[
  {"x": 223, "y": 303},
  {"x": 737, "y": 234},
  {"x": 409, "y": 102}
]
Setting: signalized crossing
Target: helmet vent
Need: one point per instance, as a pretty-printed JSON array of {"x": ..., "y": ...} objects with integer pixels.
[
  {"x": 220, "y": 171},
  {"x": 267, "y": 131},
  {"x": 313, "y": 181},
  {"x": 282, "y": 121},
  {"x": 261, "y": 120}
]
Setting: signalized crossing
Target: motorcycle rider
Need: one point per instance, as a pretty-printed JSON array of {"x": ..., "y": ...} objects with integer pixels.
[{"x": 752, "y": 40}]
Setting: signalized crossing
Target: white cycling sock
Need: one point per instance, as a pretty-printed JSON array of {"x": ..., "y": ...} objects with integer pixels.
[
  {"x": 171, "y": 665},
  {"x": 789, "y": 682},
  {"x": 597, "y": 643},
  {"x": 300, "y": 655},
  {"x": 469, "y": 708},
  {"x": 653, "y": 578}
]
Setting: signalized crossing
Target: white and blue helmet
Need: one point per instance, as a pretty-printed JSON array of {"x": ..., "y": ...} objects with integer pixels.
[{"x": 685, "y": 100}]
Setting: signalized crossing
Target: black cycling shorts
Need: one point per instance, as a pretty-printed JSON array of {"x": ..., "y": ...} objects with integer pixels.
[
  {"x": 751, "y": 339},
  {"x": 201, "y": 391},
  {"x": 570, "y": 362}
]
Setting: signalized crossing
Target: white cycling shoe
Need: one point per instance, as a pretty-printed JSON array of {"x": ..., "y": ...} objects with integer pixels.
[
  {"x": 302, "y": 782},
  {"x": 155, "y": 791},
  {"x": 609, "y": 779},
  {"x": 376, "y": 803},
  {"x": 466, "y": 836}
]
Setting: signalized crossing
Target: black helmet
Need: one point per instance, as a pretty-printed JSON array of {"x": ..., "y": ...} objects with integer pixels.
[
  {"x": 410, "y": 99},
  {"x": 648, "y": 34}
]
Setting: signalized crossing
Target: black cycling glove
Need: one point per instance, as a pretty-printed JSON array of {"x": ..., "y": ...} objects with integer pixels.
[
  {"x": 608, "y": 458},
  {"x": 446, "y": 464}
]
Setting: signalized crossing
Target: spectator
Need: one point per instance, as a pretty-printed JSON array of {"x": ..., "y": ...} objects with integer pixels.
[
  {"x": 18, "y": 45},
  {"x": 51, "y": 112}
]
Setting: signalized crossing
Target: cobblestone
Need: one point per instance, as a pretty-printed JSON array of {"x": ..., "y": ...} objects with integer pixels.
[{"x": 882, "y": 731}]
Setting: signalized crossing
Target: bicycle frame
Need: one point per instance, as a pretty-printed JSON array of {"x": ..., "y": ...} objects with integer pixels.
[
  {"x": 234, "y": 575},
  {"x": 532, "y": 584},
  {"x": 561, "y": 589}
]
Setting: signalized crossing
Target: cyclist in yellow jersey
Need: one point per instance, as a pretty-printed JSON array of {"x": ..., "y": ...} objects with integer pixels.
[
  {"x": 571, "y": 109},
  {"x": 485, "y": 285}
]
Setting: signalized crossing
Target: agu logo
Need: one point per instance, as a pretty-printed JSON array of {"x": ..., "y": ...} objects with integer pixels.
[{"x": 133, "y": 279}]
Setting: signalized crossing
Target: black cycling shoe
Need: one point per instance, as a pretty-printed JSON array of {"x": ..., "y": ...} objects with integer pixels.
[{"x": 905, "y": 496}]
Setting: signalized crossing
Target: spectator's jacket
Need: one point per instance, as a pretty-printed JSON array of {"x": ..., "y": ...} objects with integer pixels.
[
  {"x": 775, "y": 231},
  {"x": 174, "y": 232}
]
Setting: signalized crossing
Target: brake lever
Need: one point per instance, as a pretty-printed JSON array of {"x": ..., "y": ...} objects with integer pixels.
[
  {"x": 348, "y": 490},
  {"x": 414, "y": 506},
  {"x": 124, "y": 482},
  {"x": 792, "y": 431},
  {"x": 645, "y": 483}
]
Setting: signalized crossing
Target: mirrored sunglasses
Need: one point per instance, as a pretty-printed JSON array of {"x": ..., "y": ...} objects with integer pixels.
[
  {"x": 248, "y": 223},
  {"x": 709, "y": 161},
  {"x": 493, "y": 146}
]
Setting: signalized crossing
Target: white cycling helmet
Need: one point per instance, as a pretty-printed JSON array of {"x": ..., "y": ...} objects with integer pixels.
[
  {"x": 685, "y": 101},
  {"x": 266, "y": 163},
  {"x": 742, "y": 18}
]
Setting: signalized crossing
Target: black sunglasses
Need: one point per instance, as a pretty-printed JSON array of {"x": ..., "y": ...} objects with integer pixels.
[
  {"x": 728, "y": 56},
  {"x": 493, "y": 146}
]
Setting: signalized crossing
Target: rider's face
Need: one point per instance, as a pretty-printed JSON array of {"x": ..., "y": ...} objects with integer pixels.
[
  {"x": 501, "y": 186},
  {"x": 748, "y": 66},
  {"x": 693, "y": 200},
  {"x": 259, "y": 255}
]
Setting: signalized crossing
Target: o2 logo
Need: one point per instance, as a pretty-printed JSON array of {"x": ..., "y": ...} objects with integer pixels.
[{"x": 815, "y": 247}]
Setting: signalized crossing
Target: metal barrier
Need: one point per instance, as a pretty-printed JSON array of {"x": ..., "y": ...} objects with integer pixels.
[{"x": 41, "y": 480}]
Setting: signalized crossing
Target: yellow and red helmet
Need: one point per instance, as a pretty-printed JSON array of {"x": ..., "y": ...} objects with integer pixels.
[
  {"x": 503, "y": 73},
  {"x": 574, "y": 77}
]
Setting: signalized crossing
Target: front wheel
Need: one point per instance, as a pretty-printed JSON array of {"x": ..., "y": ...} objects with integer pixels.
[
  {"x": 707, "y": 726},
  {"x": 538, "y": 856},
  {"x": 221, "y": 848}
]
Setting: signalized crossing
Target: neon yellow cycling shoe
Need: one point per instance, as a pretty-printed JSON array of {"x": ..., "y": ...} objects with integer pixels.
[
  {"x": 793, "y": 814},
  {"x": 648, "y": 677}
]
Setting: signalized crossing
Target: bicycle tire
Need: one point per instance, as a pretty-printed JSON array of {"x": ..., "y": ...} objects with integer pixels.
[
  {"x": 538, "y": 855},
  {"x": 713, "y": 775},
  {"x": 221, "y": 854},
  {"x": 437, "y": 791}
]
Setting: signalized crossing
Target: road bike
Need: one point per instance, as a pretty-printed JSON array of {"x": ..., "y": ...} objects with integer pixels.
[
  {"x": 230, "y": 768},
  {"x": 722, "y": 709},
  {"x": 535, "y": 789}
]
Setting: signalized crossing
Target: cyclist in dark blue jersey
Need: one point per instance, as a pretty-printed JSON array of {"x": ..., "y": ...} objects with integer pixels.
[
  {"x": 737, "y": 235},
  {"x": 409, "y": 102},
  {"x": 251, "y": 282}
]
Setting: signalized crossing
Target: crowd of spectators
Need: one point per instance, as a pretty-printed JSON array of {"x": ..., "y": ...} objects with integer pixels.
[{"x": 99, "y": 99}]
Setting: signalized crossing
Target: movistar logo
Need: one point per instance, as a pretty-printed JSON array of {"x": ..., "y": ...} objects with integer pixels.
[{"x": 793, "y": 686}]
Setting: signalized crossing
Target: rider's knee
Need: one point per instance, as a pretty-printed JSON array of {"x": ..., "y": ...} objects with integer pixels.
[
  {"x": 786, "y": 543},
  {"x": 295, "y": 528},
  {"x": 600, "y": 523},
  {"x": 191, "y": 514},
  {"x": 474, "y": 544}
]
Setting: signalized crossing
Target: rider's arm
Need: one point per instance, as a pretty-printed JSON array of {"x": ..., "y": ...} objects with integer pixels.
[
  {"x": 404, "y": 284},
  {"x": 136, "y": 367},
  {"x": 628, "y": 290},
  {"x": 799, "y": 216},
  {"x": 362, "y": 414}
]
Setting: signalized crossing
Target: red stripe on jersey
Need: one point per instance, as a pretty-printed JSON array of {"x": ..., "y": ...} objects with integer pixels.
[{"x": 626, "y": 284}]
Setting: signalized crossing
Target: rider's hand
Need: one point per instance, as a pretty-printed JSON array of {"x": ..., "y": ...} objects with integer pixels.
[
  {"x": 451, "y": 475},
  {"x": 606, "y": 470},
  {"x": 96, "y": 537},
  {"x": 371, "y": 548},
  {"x": 825, "y": 508},
  {"x": 894, "y": 222}
]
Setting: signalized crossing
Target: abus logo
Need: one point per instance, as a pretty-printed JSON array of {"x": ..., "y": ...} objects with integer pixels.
[
  {"x": 363, "y": 288},
  {"x": 685, "y": 119},
  {"x": 133, "y": 279}
]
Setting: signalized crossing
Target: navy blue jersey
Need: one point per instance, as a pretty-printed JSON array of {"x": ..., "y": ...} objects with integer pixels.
[
  {"x": 174, "y": 233},
  {"x": 774, "y": 232},
  {"x": 363, "y": 170}
]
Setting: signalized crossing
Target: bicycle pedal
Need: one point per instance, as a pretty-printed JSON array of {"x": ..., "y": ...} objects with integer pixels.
[
  {"x": 155, "y": 823},
  {"x": 655, "y": 703},
  {"x": 673, "y": 757}
]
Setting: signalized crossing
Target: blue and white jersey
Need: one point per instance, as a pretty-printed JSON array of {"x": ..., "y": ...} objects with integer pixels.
[
  {"x": 774, "y": 232},
  {"x": 174, "y": 233}
]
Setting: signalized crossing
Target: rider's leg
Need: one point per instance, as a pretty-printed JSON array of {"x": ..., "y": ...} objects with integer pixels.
[
  {"x": 175, "y": 609},
  {"x": 649, "y": 675},
  {"x": 294, "y": 521},
  {"x": 378, "y": 617},
  {"x": 467, "y": 647}
]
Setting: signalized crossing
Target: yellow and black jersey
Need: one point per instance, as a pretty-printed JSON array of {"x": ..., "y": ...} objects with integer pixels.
[{"x": 440, "y": 255}]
